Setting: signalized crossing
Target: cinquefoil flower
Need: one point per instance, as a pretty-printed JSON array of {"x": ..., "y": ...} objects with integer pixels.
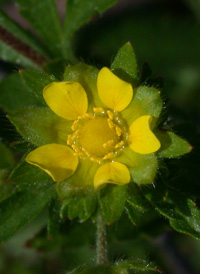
[{"x": 107, "y": 137}]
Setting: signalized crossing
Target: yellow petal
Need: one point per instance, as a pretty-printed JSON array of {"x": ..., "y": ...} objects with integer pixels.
[
  {"x": 141, "y": 138},
  {"x": 67, "y": 99},
  {"x": 112, "y": 173},
  {"x": 56, "y": 160},
  {"x": 115, "y": 93}
]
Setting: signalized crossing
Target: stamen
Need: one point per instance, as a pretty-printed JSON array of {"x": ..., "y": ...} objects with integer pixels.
[
  {"x": 108, "y": 156},
  {"x": 110, "y": 114},
  {"x": 118, "y": 131},
  {"x": 119, "y": 145},
  {"x": 82, "y": 140},
  {"x": 78, "y": 153},
  {"x": 110, "y": 124},
  {"x": 86, "y": 152},
  {"x": 75, "y": 125},
  {"x": 75, "y": 148},
  {"x": 109, "y": 143},
  {"x": 69, "y": 140},
  {"x": 98, "y": 110},
  {"x": 89, "y": 115},
  {"x": 94, "y": 159}
]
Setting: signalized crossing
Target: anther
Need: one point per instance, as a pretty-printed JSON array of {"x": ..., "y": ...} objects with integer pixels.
[
  {"x": 86, "y": 152},
  {"x": 98, "y": 110},
  {"x": 69, "y": 140},
  {"x": 109, "y": 143},
  {"x": 118, "y": 131},
  {"x": 89, "y": 115},
  {"x": 110, "y": 114},
  {"x": 108, "y": 156},
  {"x": 119, "y": 145},
  {"x": 110, "y": 124},
  {"x": 94, "y": 159},
  {"x": 75, "y": 125},
  {"x": 75, "y": 148}
]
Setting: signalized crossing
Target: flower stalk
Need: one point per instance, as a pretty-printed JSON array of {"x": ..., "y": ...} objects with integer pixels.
[{"x": 101, "y": 242}]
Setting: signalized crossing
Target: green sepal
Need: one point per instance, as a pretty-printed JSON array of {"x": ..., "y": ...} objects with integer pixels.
[
  {"x": 25, "y": 173},
  {"x": 66, "y": 190},
  {"x": 81, "y": 182},
  {"x": 36, "y": 81},
  {"x": 14, "y": 95},
  {"x": 81, "y": 208},
  {"x": 171, "y": 144},
  {"x": 141, "y": 265},
  {"x": 145, "y": 173},
  {"x": 22, "y": 206},
  {"x": 112, "y": 200},
  {"x": 7, "y": 158},
  {"x": 41, "y": 126},
  {"x": 143, "y": 168},
  {"x": 125, "y": 64},
  {"x": 146, "y": 101}
]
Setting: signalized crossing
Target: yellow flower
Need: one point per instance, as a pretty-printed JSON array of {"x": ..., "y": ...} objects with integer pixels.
[{"x": 106, "y": 132}]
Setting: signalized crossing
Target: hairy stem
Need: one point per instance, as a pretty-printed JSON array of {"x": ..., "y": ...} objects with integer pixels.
[
  {"x": 22, "y": 48},
  {"x": 101, "y": 243}
]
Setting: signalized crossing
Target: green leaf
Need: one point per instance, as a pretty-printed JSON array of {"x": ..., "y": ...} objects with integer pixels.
[
  {"x": 172, "y": 145},
  {"x": 22, "y": 206},
  {"x": 182, "y": 226},
  {"x": 43, "y": 17},
  {"x": 36, "y": 81},
  {"x": 182, "y": 212},
  {"x": 9, "y": 54},
  {"x": 7, "y": 158},
  {"x": 54, "y": 220},
  {"x": 25, "y": 173},
  {"x": 140, "y": 217},
  {"x": 112, "y": 200},
  {"x": 20, "y": 33},
  {"x": 79, "y": 207},
  {"x": 79, "y": 12},
  {"x": 14, "y": 95},
  {"x": 125, "y": 64},
  {"x": 146, "y": 101},
  {"x": 41, "y": 126},
  {"x": 135, "y": 197}
]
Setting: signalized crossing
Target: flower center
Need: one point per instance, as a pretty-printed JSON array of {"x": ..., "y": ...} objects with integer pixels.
[{"x": 99, "y": 135}]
